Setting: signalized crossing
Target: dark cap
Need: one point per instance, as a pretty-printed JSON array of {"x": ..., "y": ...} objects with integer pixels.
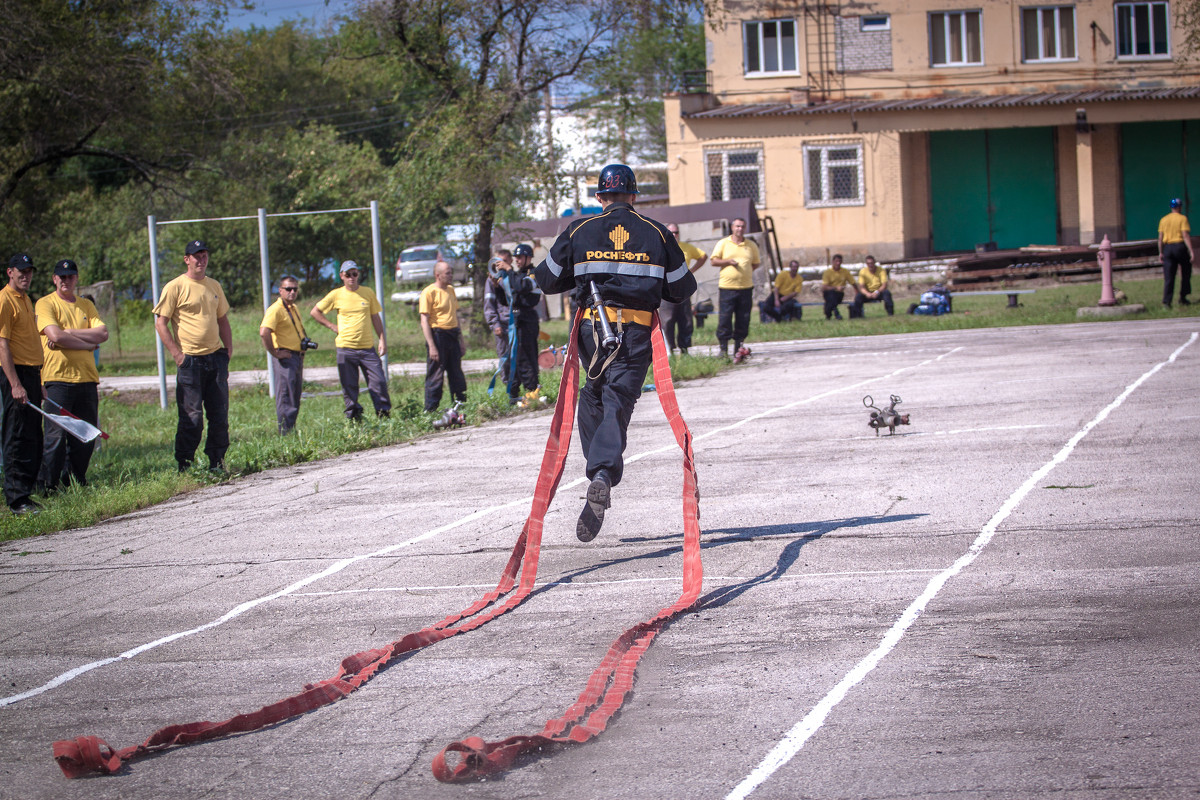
[
  {"x": 523, "y": 250},
  {"x": 1176, "y": 203},
  {"x": 20, "y": 261},
  {"x": 65, "y": 267},
  {"x": 195, "y": 246}
]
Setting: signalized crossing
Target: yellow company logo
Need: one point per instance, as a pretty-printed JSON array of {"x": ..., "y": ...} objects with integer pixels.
[{"x": 619, "y": 236}]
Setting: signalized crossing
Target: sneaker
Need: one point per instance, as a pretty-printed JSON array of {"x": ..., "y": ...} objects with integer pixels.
[
  {"x": 683, "y": 351},
  {"x": 592, "y": 516},
  {"x": 535, "y": 397},
  {"x": 837, "y": 315},
  {"x": 30, "y": 507},
  {"x": 384, "y": 414},
  {"x": 741, "y": 355},
  {"x": 1183, "y": 301}
]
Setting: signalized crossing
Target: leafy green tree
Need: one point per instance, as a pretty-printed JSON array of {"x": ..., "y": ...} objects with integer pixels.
[{"x": 654, "y": 45}]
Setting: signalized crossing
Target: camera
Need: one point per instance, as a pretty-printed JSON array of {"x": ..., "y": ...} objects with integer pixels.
[{"x": 307, "y": 344}]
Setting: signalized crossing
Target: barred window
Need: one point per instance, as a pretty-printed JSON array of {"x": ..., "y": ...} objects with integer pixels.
[
  {"x": 1048, "y": 33},
  {"x": 1142, "y": 30},
  {"x": 733, "y": 174},
  {"x": 834, "y": 175},
  {"x": 955, "y": 38},
  {"x": 770, "y": 47}
]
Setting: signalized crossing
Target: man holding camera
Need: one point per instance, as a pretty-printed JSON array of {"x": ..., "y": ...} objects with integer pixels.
[
  {"x": 201, "y": 346},
  {"x": 285, "y": 340},
  {"x": 625, "y": 265}
]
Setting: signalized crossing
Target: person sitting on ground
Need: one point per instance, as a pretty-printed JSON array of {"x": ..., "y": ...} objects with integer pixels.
[
  {"x": 784, "y": 302},
  {"x": 833, "y": 286},
  {"x": 872, "y": 288}
]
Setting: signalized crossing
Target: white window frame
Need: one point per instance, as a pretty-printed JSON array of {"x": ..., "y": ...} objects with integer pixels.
[
  {"x": 826, "y": 200},
  {"x": 1150, "y": 5},
  {"x": 724, "y": 153},
  {"x": 1056, "y": 12},
  {"x": 950, "y": 20},
  {"x": 877, "y": 22},
  {"x": 754, "y": 31}
]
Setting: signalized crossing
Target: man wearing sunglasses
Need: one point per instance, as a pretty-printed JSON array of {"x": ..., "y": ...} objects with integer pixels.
[
  {"x": 283, "y": 337},
  {"x": 358, "y": 312}
]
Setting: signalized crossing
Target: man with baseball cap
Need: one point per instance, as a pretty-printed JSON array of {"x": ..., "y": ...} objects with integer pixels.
[
  {"x": 201, "y": 346},
  {"x": 71, "y": 330},
  {"x": 20, "y": 383},
  {"x": 358, "y": 312},
  {"x": 1175, "y": 251}
]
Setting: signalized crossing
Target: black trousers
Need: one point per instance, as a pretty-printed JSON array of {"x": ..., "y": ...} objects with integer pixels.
[
  {"x": 606, "y": 402},
  {"x": 734, "y": 320},
  {"x": 202, "y": 390},
  {"x": 524, "y": 360},
  {"x": 63, "y": 456},
  {"x": 448, "y": 365},
  {"x": 885, "y": 297},
  {"x": 21, "y": 436},
  {"x": 833, "y": 298},
  {"x": 677, "y": 324},
  {"x": 1176, "y": 255}
]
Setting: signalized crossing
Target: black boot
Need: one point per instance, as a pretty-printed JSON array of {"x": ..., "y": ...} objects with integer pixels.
[{"x": 592, "y": 516}]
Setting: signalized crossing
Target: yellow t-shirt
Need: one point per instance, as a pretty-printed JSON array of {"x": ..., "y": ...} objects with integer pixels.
[
  {"x": 836, "y": 278},
  {"x": 740, "y": 275},
  {"x": 285, "y": 328},
  {"x": 441, "y": 305},
  {"x": 872, "y": 281},
  {"x": 194, "y": 307},
  {"x": 70, "y": 365},
  {"x": 1173, "y": 227},
  {"x": 690, "y": 253},
  {"x": 18, "y": 326},
  {"x": 787, "y": 284},
  {"x": 354, "y": 310}
]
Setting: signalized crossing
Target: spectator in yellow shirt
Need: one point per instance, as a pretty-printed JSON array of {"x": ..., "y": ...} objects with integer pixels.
[
  {"x": 20, "y": 383},
  {"x": 677, "y": 319},
  {"x": 443, "y": 338},
  {"x": 1175, "y": 250},
  {"x": 737, "y": 257},
  {"x": 201, "y": 346},
  {"x": 872, "y": 287},
  {"x": 71, "y": 331},
  {"x": 285, "y": 340},
  {"x": 833, "y": 286},
  {"x": 358, "y": 313},
  {"x": 784, "y": 302}
]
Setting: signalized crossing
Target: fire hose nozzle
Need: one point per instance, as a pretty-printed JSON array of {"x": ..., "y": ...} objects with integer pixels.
[{"x": 608, "y": 338}]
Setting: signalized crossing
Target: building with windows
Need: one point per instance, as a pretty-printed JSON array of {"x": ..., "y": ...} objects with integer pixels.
[{"x": 908, "y": 129}]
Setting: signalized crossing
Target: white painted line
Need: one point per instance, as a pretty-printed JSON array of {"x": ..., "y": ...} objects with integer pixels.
[
  {"x": 338, "y": 566},
  {"x": 708, "y": 579},
  {"x": 803, "y": 730}
]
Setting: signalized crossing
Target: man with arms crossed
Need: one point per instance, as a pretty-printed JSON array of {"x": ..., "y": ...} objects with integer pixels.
[
  {"x": 737, "y": 257},
  {"x": 71, "y": 331}
]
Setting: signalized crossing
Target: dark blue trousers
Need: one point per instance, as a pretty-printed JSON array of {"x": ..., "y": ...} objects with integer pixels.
[{"x": 606, "y": 402}]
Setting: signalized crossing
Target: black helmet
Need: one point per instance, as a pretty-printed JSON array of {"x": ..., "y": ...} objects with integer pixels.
[
  {"x": 616, "y": 178},
  {"x": 523, "y": 250}
]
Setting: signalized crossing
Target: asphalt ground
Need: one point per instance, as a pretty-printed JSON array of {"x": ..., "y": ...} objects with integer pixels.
[{"x": 999, "y": 601}]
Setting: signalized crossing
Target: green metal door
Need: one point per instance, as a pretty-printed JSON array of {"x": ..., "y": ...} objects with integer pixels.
[
  {"x": 1024, "y": 208},
  {"x": 1159, "y": 161},
  {"x": 958, "y": 180},
  {"x": 993, "y": 186}
]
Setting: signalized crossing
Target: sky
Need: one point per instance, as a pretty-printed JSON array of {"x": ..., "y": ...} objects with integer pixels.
[{"x": 269, "y": 13}]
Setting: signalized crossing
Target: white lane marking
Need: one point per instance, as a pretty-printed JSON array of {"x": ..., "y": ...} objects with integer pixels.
[
  {"x": 803, "y": 730},
  {"x": 338, "y": 566},
  {"x": 707, "y": 579}
]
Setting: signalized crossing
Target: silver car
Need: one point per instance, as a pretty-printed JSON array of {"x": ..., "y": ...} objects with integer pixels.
[{"x": 416, "y": 263}]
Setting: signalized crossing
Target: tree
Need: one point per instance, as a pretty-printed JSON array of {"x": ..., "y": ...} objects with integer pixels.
[
  {"x": 655, "y": 45},
  {"x": 488, "y": 62},
  {"x": 90, "y": 78}
]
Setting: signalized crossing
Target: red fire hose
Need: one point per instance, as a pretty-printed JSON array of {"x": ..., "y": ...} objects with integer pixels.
[{"x": 587, "y": 717}]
